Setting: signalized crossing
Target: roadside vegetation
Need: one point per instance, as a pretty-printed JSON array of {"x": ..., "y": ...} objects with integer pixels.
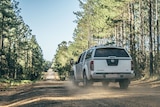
[
  {"x": 133, "y": 24},
  {"x": 21, "y": 58}
]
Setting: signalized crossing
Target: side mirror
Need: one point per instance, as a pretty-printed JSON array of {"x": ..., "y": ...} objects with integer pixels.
[{"x": 71, "y": 61}]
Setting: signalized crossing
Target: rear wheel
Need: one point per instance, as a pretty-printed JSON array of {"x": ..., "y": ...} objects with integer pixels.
[
  {"x": 86, "y": 82},
  {"x": 124, "y": 83}
]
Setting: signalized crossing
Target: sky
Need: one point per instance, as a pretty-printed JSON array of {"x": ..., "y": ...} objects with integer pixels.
[{"x": 51, "y": 21}]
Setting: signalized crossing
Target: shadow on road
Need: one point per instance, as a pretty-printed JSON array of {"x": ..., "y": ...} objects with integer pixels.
[{"x": 38, "y": 90}]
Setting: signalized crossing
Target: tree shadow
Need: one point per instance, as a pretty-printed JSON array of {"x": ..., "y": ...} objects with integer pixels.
[{"x": 32, "y": 93}]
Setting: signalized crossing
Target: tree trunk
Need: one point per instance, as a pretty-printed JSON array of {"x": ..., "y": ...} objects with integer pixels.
[
  {"x": 130, "y": 28},
  {"x": 116, "y": 35},
  {"x": 141, "y": 27},
  {"x": 1, "y": 44},
  {"x": 150, "y": 38},
  {"x": 157, "y": 27}
]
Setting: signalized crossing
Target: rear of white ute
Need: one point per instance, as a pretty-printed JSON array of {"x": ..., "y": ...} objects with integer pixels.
[{"x": 111, "y": 64}]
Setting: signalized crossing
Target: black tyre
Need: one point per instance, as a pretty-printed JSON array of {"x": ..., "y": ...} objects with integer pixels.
[
  {"x": 124, "y": 83},
  {"x": 86, "y": 82}
]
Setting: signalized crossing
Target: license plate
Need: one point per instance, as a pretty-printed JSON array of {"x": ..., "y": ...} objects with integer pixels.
[{"x": 111, "y": 75}]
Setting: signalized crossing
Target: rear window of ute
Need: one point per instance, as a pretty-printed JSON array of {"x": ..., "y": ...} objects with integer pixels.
[{"x": 106, "y": 52}]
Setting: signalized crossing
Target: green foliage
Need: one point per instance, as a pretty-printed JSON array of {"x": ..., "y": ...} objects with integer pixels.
[
  {"x": 20, "y": 82},
  {"x": 5, "y": 83},
  {"x": 123, "y": 22},
  {"x": 20, "y": 55},
  {"x": 47, "y": 65}
]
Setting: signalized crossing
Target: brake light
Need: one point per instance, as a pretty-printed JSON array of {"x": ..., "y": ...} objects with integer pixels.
[
  {"x": 132, "y": 65},
  {"x": 92, "y": 65}
]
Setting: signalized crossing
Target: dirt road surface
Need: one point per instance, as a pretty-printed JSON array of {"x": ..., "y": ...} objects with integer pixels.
[{"x": 64, "y": 94}]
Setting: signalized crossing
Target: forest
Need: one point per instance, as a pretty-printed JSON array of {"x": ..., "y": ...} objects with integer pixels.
[
  {"x": 132, "y": 24},
  {"x": 21, "y": 56}
]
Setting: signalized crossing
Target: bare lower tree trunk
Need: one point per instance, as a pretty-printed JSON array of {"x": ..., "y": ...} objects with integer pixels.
[
  {"x": 150, "y": 38},
  {"x": 141, "y": 28},
  {"x": 116, "y": 35},
  {"x": 1, "y": 44},
  {"x": 130, "y": 28},
  {"x": 157, "y": 27}
]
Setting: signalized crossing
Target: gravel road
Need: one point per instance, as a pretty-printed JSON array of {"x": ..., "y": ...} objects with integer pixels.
[{"x": 64, "y": 94}]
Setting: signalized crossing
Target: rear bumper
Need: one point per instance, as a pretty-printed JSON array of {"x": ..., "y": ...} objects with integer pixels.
[{"x": 112, "y": 76}]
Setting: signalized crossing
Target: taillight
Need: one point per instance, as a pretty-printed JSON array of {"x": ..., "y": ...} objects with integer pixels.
[
  {"x": 132, "y": 65},
  {"x": 92, "y": 65}
]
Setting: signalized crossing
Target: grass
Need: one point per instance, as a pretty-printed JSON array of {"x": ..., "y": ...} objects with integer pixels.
[
  {"x": 6, "y": 83},
  {"x": 151, "y": 78}
]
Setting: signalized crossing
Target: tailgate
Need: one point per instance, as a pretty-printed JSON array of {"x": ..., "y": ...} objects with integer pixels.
[{"x": 112, "y": 65}]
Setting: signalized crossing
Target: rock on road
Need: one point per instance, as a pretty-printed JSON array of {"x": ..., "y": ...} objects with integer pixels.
[{"x": 64, "y": 94}]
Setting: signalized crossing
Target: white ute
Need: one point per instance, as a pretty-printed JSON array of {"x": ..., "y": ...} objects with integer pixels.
[{"x": 104, "y": 64}]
